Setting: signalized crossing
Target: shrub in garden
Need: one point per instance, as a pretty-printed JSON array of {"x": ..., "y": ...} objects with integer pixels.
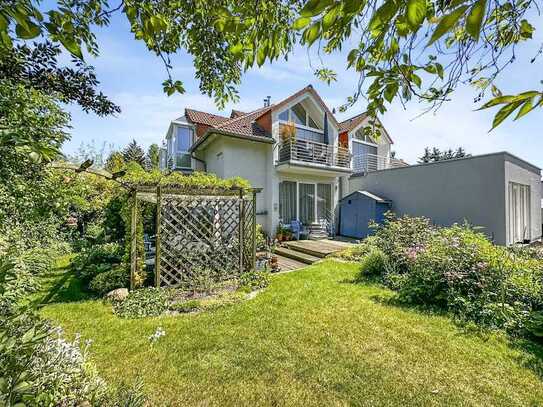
[
  {"x": 117, "y": 277},
  {"x": 460, "y": 270},
  {"x": 254, "y": 280},
  {"x": 145, "y": 302},
  {"x": 357, "y": 252},
  {"x": 97, "y": 259},
  {"x": 373, "y": 263}
]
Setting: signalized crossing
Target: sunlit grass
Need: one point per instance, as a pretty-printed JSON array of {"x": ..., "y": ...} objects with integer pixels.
[{"x": 312, "y": 338}]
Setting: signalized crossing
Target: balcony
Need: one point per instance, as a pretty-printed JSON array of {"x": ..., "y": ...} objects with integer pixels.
[
  {"x": 365, "y": 163},
  {"x": 314, "y": 154}
]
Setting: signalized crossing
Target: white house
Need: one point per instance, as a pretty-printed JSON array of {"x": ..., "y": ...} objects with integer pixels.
[
  {"x": 295, "y": 150},
  {"x": 305, "y": 161}
]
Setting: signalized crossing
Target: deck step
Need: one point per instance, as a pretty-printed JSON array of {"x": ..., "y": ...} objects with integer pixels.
[
  {"x": 296, "y": 255},
  {"x": 306, "y": 250}
]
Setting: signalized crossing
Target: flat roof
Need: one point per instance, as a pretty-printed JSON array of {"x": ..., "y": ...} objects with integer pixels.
[{"x": 507, "y": 156}]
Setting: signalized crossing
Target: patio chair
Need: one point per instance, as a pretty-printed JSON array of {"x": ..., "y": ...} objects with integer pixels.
[{"x": 298, "y": 229}]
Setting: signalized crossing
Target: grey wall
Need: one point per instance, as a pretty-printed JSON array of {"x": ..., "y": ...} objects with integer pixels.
[{"x": 472, "y": 189}]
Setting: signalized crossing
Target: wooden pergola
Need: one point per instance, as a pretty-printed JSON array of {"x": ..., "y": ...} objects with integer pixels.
[{"x": 197, "y": 229}]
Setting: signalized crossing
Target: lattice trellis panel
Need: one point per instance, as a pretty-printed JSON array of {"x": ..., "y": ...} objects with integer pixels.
[{"x": 211, "y": 235}]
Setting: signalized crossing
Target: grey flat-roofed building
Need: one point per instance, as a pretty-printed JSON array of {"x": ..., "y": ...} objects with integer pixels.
[{"x": 498, "y": 192}]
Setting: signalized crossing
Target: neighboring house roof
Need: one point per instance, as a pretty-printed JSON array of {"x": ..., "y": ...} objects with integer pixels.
[
  {"x": 349, "y": 124},
  {"x": 352, "y": 123},
  {"x": 209, "y": 119}
]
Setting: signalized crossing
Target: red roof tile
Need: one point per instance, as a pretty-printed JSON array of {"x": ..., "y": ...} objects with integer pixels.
[
  {"x": 245, "y": 125},
  {"x": 209, "y": 119}
]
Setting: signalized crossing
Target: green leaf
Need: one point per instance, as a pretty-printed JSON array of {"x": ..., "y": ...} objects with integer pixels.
[
  {"x": 497, "y": 101},
  {"x": 330, "y": 18},
  {"x": 300, "y": 23},
  {"x": 352, "y": 57},
  {"x": 312, "y": 33},
  {"x": 526, "y": 108},
  {"x": 390, "y": 91},
  {"x": 261, "y": 56},
  {"x": 27, "y": 34},
  {"x": 314, "y": 7},
  {"x": 474, "y": 20},
  {"x": 4, "y": 23},
  {"x": 504, "y": 113},
  {"x": 447, "y": 23},
  {"x": 72, "y": 46},
  {"x": 416, "y": 12},
  {"x": 237, "y": 49},
  {"x": 352, "y": 6}
]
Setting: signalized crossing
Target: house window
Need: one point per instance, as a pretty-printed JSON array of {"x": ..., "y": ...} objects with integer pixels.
[
  {"x": 299, "y": 115},
  {"x": 184, "y": 139}
]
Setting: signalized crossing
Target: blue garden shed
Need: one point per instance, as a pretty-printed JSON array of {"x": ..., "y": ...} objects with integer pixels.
[{"x": 357, "y": 210}]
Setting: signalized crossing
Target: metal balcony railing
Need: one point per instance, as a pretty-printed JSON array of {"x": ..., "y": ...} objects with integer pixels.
[
  {"x": 371, "y": 162},
  {"x": 314, "y": 153}
]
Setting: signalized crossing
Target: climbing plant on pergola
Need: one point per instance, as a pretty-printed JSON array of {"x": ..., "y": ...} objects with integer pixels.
[
  {"x": 199, "y": 231},
  {"x": 205, "y": 226}
]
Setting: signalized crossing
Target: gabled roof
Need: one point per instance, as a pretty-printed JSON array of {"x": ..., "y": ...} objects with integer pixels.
[
  {"x": 236, "y": 113},
  {"x": 349, "y": 124},
  {"x": 245, "y": 125},
  {"x": 352, "y": 123},
  {"x": 308, "y": 89},
  {"x": 209, "y": 119}
]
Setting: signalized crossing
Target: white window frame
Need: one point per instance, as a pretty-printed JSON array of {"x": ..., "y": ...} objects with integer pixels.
[
  {"x": 301, "y": 126},
  {"x": 175, "y": 141},
  {"x": 315, "y": 212},
  {"x": 525, "y": 196}
]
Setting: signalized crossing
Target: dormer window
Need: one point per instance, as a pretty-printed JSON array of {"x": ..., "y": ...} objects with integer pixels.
[{"x": 298, "y": 114}]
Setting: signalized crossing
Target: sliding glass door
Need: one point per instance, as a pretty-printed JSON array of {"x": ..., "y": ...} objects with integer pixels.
[
  {"x": 324, "y": 202},
  {"x": 306, "y": 202},
  {"x": 287, "y": 201}
]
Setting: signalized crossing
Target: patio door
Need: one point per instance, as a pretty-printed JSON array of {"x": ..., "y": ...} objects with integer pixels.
[
  {"x": 324, "y": 202},
  {"x": 287, "y": 201},
  {"x": 519, "y": 213},
  {"x": 306, "y": 202}
]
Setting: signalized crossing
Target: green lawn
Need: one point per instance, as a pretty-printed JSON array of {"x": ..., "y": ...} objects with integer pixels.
[{"x": 312, "y": 338}]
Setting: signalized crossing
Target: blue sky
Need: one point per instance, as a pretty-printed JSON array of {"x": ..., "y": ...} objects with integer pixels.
[{"x": 132, "y": 77}]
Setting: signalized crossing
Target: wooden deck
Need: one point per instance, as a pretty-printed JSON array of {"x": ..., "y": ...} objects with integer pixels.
[
  {"x": 295, "y": 255},
  {"x": 319, "y": 248},
  {"x": 287, "y": 264}
]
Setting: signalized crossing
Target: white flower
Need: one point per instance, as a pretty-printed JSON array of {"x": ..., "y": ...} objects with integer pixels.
[{"x": 156, "y": 336}]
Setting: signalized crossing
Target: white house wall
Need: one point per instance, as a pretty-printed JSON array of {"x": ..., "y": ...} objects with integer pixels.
[{"x": 230, "y": 157}]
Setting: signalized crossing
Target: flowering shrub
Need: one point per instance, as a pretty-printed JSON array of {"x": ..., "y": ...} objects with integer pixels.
[{"x": 457, "y": 269}]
